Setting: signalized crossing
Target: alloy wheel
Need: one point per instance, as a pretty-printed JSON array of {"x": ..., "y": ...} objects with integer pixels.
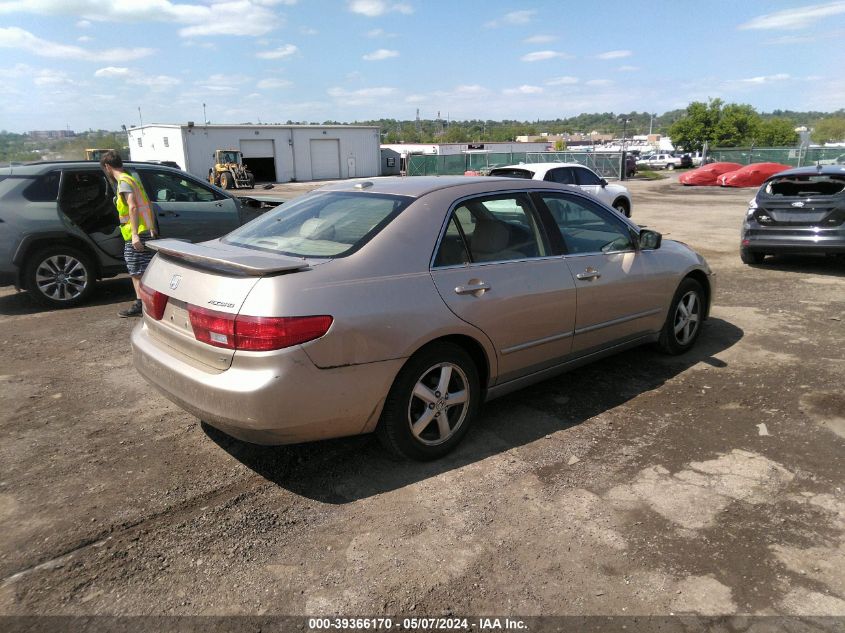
[
  {"x": 61, "y": 277},
  {"x": 439, "y": 404},
  {"x": 687, "y": 317}
]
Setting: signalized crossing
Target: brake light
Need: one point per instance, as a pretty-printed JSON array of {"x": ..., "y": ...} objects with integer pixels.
[
  {"x": 257, "y": 334},
  {"x": 154, "y": 302}
]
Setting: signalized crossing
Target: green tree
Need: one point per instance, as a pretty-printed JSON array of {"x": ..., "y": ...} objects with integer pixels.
[
  {"x": 697, "y": 126},
  {"x": 776, "y": 133},
  {"x": 738, "y": 125},
  {"x": 829, "y": 130}
]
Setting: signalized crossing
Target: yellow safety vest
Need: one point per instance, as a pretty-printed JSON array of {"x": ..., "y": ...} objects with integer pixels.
[{"x": 142, "y": 202}]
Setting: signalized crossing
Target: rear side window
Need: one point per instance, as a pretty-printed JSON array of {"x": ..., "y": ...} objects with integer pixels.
[
  {"x": 562, "y": 175},
  {"x": 586, "y": 177},
  {"x": 331, "y": 224},
  {"x": 44, "y": 188}
]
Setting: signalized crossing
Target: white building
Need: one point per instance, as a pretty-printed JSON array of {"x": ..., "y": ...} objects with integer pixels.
[{"x": 274, "y": 153}]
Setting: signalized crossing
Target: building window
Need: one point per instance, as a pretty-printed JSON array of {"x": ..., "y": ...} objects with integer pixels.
[
  {"x": 140, "y": 144},
  {"x": 166, "y": 143}
]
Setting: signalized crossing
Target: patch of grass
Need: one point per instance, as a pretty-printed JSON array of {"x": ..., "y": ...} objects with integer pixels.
[{"x": 648, "y": 174}]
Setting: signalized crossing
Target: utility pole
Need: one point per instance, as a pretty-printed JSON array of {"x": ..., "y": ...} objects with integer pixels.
[
  {"x": 140, "y": 117},
  {"x": 204, "y": 117},
  {"x": 651, "y": 123}
]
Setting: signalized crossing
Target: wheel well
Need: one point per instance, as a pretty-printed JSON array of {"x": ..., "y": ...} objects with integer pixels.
[
  {"x": 623, "y": 201},
  {"x": 701, "y": 278},
  {"x": 22, "y": 258},
  {"x": 475, "y": 351}
]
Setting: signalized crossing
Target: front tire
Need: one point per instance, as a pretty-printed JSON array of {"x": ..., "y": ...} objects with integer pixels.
[
  {"x": 670, "y": 166},
  {"x": 622, "y": 207},
  {"x": 59, "y": 276},
  {"x": 431, "y": 404},
  {"x": 226, "y": 180},
  {"x": 751, "y": 257},
  {"x": 683, "y": 323}
]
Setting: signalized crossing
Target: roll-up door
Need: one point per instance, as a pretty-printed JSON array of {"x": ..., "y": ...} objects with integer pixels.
[
  {"x": 260, "y": 158},
  {"x": 325, "y": 159}
]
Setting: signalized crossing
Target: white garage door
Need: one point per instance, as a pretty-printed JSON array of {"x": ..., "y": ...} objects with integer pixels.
[
  {"x": 325, "y": 158},
  {"x": 253, "y": 148}
]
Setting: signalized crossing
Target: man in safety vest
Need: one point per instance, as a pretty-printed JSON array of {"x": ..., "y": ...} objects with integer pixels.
[{"x": 137, "y": 223}]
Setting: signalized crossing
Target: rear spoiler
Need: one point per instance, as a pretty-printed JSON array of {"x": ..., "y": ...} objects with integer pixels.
[{"x": 228, "y": 259}]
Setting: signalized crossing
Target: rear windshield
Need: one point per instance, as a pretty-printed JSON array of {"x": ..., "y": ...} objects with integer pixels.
[
  {"x": 331, "y": 224},
  {"x": 512, "y": 173},
  {"x": 803, "y": 186}
]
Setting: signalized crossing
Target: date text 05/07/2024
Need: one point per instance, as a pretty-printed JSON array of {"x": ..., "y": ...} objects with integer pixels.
[{"x": 416, "y": 624}]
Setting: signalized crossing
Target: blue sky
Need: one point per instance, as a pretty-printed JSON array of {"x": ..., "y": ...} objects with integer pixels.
[{"x": 91, "y": 63}]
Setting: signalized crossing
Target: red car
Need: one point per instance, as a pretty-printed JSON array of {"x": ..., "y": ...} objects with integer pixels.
[
  {"x": 752, "y": 175},
  {"x": 706, "y": 175}
]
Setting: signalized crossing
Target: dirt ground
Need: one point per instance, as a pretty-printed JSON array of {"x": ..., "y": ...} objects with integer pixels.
[{"x": 710, "y": 483}]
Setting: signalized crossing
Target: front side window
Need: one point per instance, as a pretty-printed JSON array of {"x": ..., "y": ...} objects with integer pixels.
[
  {"x": 164, "y": 186},
  {"x": 587, "y": 228},
  {"x": 494, "y": 228},
  {"x": 587, "y": 177},
  {"x": 331, "y": 224}
]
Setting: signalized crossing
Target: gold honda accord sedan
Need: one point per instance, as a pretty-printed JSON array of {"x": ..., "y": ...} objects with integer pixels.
[{"x": 399, "y": 305}]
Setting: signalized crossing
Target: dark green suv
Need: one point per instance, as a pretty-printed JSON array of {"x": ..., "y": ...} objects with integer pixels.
[{"x": 59, "y": 227}]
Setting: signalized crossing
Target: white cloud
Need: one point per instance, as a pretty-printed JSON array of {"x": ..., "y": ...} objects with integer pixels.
[
  {"x": 539, "y": 56},
  {"x": 540, "y": 39},
  {"x": 380, "y": 54},
  {"x": 379, "y": 33},
  {"x": 523, "y": 90},
  {"x": 810, "y": 38},
  {"x": 272, "y": 84},
  {"x": 614, "y": 55},
  {"x": 154, "y": 82},
  {"x": 798, "y": 18},
  {"x": 84, "y": 39},
  {"x": 470, "y": 90},
  {"x": 763, "y": 79},
  {"x": 514, "y": 18},
  {"x": 597, "y": 83},
  {"x": 17, "y": 38},
  {"x": 307, "y": 30},
  {"x": 562, "y": 81},
  {"x": 217, "y": 17},
  {"x": 628, "y": 69},
  {"x": 278, "y": 53},
  {"x": 112, "y": 71},
  {"x": 49, "y": 77},
  {"x": 375, "y": 8},
  {"x": 82, "y": 24},
  {"x": 362, "y": 96}
]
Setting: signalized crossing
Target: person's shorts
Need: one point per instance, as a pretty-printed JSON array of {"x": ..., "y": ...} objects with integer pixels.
[{"x": 137, "y": 261}]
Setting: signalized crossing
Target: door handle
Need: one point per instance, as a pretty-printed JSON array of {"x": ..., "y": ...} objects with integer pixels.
[
  {"x": 589, "y": 273},
  {"x": 477, "y": 289},
  {"x": 168, "y": 214}
]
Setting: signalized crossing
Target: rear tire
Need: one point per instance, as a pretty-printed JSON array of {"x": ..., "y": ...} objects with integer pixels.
[
  {"x": 751, "y": 257},
  {"x": 683, "y": 323},
  {"x": 670, "y": 166},
  {"x": 431, "y": 404},
  {"x": 226, "y": 180},
  {"x": 59, "y": 276}
]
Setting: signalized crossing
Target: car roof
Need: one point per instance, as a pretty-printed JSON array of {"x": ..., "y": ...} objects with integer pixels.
[
  {"x": 826, "y": 170},
  {"x": 540, "y": 168},
  {"x": 39, "y": 167},
  {"x": 418, "y": 186}
]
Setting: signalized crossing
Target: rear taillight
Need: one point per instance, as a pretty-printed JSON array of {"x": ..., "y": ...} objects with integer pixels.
[
  {"x": 257, "y": 334},
  {"x": 154, "y": 302}
]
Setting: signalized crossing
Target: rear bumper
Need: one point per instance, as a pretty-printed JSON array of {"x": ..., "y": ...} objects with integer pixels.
[
  {"x": 269, "y": 398},
  {"x": 793, "y": 240}
]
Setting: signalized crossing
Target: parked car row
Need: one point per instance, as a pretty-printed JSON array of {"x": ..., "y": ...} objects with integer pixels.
[
  {"x": 60, "y": 230},
  {"x": 731, "y": 174}
]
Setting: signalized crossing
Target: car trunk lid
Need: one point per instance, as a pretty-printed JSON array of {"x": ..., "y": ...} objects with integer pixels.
[
  {"x": 212, "y": 279},
  {"x": 802, "y": 200}
]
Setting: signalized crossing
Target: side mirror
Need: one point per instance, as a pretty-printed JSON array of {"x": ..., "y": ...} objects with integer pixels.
[
  {"x": 650, "y": 240},
  {"x": 603, "y": 182}
]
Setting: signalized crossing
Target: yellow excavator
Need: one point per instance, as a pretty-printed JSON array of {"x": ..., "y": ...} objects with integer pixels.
[
  {"x": 95, "y": 154},
  {"x": 229, "y": 171}
]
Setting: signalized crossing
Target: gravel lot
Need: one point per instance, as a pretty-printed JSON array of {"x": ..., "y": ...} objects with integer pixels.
[{"x": 710, "y": 483}]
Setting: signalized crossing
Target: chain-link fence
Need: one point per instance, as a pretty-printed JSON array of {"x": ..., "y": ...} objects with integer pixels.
[
  {"x": 606, "y": 164},
  {"x": 795, "y": 156}
]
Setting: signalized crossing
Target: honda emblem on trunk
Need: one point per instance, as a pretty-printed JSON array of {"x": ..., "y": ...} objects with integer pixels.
[
  {"x": 797, "y": 204},
  {"x": 174, "y": 281}
]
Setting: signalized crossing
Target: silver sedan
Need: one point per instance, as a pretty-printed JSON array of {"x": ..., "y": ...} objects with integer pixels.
[{"x": 399, "y": 305}]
